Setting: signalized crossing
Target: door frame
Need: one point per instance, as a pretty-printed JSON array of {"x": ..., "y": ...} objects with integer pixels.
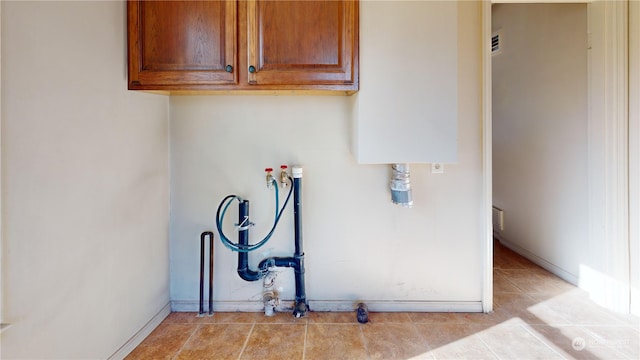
[
  {"x": 634, "y": 155},
  {"x": 487, "y": 158},
  {"x": 1, "y": 187},
  {"x": 608, "y": 147}
]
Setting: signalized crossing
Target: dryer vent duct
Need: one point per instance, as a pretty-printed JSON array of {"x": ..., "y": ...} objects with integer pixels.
[{"x": 401, "y": 185}]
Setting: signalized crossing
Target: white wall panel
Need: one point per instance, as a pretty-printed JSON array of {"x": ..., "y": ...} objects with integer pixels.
[
  {"x": 85, "y": 187},
  {"x": 408, "y": 99}
]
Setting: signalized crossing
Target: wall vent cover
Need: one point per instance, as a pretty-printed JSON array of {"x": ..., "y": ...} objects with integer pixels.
[{"x": 496, "y": 42}]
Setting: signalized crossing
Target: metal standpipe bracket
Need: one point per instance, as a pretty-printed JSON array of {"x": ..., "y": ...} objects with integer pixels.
[{"x": 242, "y": 226}]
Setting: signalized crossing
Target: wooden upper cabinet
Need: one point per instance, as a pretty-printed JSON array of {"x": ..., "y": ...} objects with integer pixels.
[
  {"x": 176, "y": 44},
  {"x": 303, "y": 42},
  {"x": 243, "y": 45}
]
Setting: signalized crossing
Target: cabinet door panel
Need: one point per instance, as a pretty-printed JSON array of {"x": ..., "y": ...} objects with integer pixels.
[
  {"x": 303, "y": 42},
  {"x": 182, "y": 42}
]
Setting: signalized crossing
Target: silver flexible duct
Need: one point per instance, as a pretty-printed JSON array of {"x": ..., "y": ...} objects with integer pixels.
[{"x": 401, "y": 185}]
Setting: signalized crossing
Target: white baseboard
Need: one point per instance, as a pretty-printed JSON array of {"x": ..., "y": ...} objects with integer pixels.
[
  {"x": 141, "y": 334},
  {"x": 398, "y": 306},
  {"x": 336, "y": 305},
  {"x": 218, "y": 306},
  {"x": 561, "y": 273}
]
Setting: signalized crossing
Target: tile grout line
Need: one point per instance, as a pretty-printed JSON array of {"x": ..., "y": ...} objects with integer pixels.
[
  {"x": 540, "y": 340},
  {"x": 424, "y": 339},
  {"x": 246, "y": 341},
  {"x": 186, "y": 341},
  {"x": 561, "y": 314},
  {"x": 304, "y": 343},
  {"x": 599, "y": 338},
  {"x": 364, "y": 341},
  {"x": 486, "y": 345},
  {"x": 508, "y": 279}
]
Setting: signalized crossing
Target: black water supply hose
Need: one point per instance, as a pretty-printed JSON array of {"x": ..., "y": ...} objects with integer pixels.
[{"x": 296, "y": 262}]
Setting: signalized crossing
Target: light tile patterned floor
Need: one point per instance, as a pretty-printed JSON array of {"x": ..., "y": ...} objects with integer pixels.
[{"x": 537, "y": 316}]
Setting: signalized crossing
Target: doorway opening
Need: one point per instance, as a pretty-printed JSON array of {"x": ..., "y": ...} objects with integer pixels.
[{"x": 556, "y": 150}]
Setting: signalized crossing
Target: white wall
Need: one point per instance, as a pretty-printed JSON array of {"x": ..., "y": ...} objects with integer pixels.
[
  {"x": 84, "y": 184},
  {"x": 540, "y": 132},
  {"x": 358, "y": 245}
]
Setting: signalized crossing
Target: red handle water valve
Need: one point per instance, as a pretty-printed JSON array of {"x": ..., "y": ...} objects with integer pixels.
[
  {"x": 269, "y": 178},
  {"x": 284, "y": 176}
]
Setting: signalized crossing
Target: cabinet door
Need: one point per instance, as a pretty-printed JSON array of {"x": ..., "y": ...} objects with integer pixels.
[
  {"x": 303, "y": 43},
  {"x": 173, "y": 43}
]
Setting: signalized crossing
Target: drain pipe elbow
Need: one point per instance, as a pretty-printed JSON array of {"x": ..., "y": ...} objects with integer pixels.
[{"x": 247, "y": 274}]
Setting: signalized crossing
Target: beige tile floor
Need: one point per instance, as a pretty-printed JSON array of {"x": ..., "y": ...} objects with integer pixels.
[{"x": 537, "y": 316}]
